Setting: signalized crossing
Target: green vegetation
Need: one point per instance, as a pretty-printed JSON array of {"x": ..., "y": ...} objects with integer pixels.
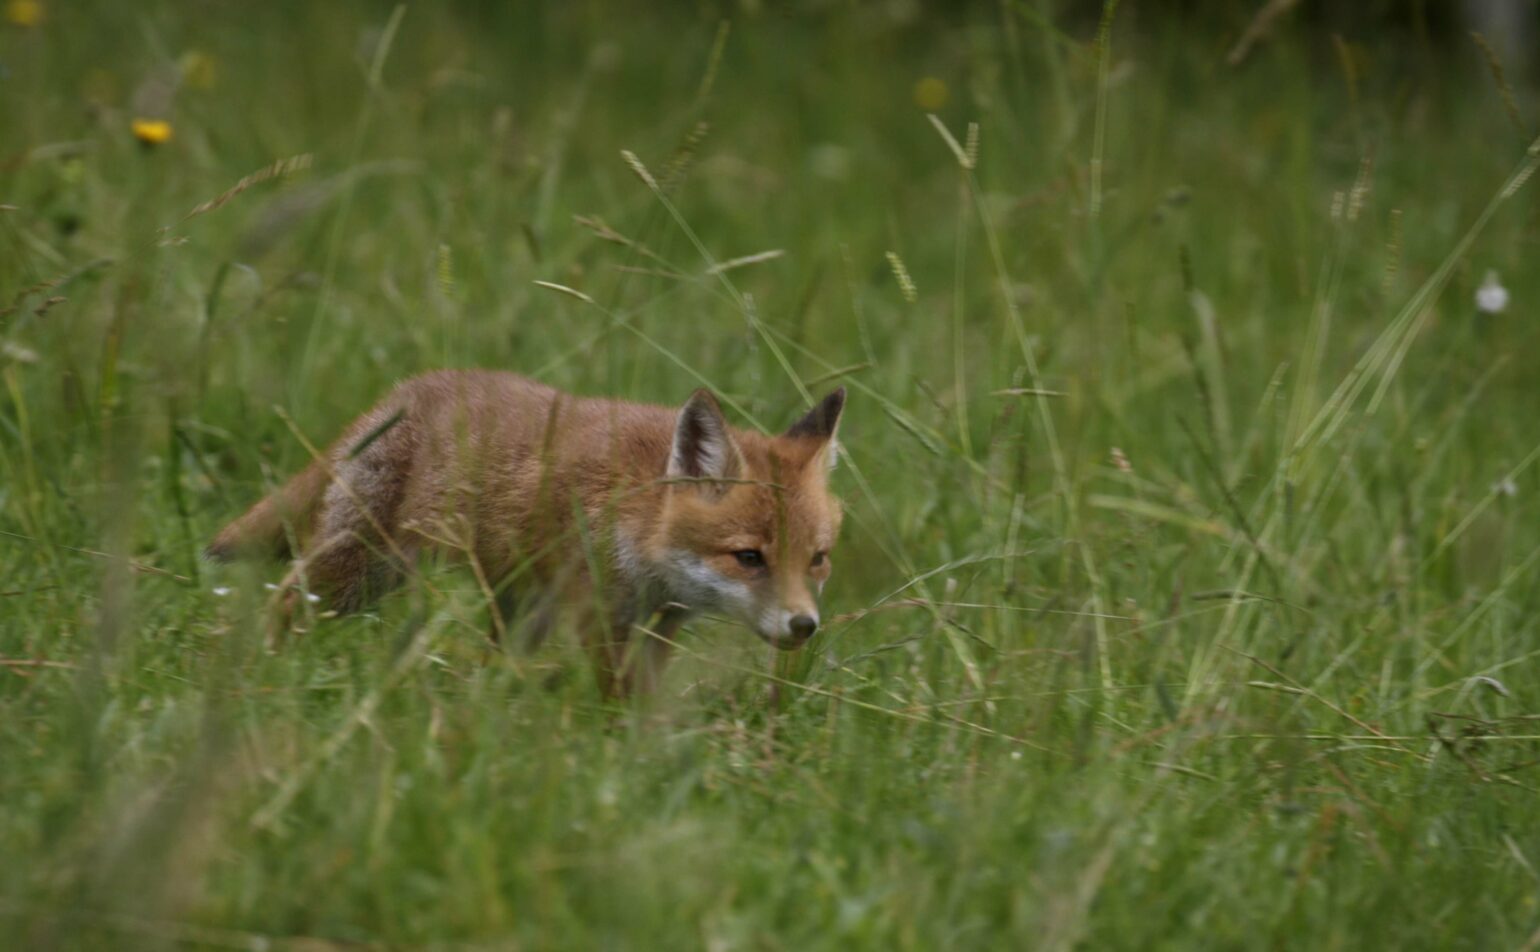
[{"x": 1188, "y": 592}]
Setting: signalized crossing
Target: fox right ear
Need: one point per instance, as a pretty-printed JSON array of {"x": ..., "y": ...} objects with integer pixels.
[
  {"x": 822, "y": 423},
  {"x": 703, "y": 446}
]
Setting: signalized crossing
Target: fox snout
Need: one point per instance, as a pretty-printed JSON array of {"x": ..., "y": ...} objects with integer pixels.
[{"x": 792, "y": 630}]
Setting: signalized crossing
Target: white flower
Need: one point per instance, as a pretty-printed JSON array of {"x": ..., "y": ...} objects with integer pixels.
[
  {"x": 1505, "y": 487},
  {"x": 1491, "y": 297},
  {"x": 223, "y": 590}
]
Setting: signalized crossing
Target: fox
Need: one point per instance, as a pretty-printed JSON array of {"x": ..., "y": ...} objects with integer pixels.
[{"x": 620, "y": 520}]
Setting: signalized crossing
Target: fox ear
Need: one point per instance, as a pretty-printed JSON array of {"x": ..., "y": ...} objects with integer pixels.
[
  {"x": 822, "y": 422},
  {"x": 703, "y": 446}
]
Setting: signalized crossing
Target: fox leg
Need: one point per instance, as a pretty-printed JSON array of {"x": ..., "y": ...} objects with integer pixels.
[
  {"x": 505, "y": 606},
  {"x": 605, "y": 642},
  {"x": 342, "y": 573},
  {"x": 350, "y": 561},
  {"x": 350, "y": 573},
  {"x": 280, "y": 616},
  {"x": 634, "y": 661},
  {"x": 521, "y": 616}
]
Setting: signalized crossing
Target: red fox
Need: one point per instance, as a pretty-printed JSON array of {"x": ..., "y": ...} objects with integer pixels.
[{"x": 602, "y": 514}]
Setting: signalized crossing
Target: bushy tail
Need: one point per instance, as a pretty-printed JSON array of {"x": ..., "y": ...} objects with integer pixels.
[{"x": 261, "y": 532}]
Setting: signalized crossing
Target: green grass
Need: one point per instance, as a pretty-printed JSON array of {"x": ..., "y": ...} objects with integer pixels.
[{"x": 1181, "y": 655}]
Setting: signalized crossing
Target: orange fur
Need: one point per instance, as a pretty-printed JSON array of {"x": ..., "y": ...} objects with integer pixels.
[{"x": 602, "y": 513}]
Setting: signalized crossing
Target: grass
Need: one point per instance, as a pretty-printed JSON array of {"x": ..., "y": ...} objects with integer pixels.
[{"x": 1188, "y": 591}]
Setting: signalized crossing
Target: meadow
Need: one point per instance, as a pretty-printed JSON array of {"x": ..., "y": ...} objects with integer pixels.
[{"x": 1187, "y": 594}]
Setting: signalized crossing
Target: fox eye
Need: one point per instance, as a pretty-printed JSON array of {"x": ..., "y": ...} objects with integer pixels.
[
  {"x": 818, "y": 558},
  {"x": 750, "y": 558}
]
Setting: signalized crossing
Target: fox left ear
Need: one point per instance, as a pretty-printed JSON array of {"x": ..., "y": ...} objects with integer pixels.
[
  {"x": 822, "y": 423},
  {"x": 704, "y": 447}
]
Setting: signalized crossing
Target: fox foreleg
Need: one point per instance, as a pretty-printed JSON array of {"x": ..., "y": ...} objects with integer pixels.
[{"x": 636, "y": 663}]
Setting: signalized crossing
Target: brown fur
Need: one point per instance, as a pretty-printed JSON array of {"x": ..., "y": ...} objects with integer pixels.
[{"x": 582, "y": 501}]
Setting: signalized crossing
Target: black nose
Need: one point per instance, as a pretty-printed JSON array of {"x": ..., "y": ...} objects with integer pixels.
[{"x": 803, "y": 626}]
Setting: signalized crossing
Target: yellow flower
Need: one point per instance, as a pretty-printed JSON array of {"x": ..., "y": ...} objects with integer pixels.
[
  {"x": 151, "y": 131},
  {"x": 24, "y": 12},
  {"x": 930, "y": 93}
]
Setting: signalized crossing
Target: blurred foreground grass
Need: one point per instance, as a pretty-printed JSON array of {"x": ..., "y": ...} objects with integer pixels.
[{"x": 1188, "y": 592}]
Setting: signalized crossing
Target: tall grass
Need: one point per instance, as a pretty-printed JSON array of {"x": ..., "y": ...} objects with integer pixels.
[{"x": 1186, "y": 596}]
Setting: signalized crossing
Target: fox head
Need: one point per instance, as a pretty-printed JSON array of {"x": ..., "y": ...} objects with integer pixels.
[{"x": 748, "y": 520}]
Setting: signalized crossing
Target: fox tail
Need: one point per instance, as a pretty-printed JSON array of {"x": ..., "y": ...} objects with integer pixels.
[{"x": 262, "y": 531}]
